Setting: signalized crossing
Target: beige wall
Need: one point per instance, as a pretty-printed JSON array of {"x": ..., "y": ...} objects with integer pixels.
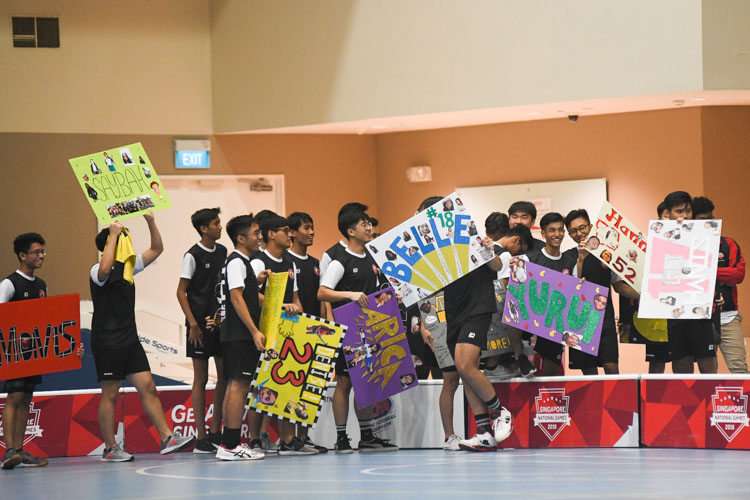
[
  {"x": 287, "y": 62},
  {"x": 124, "y": 66},
  {"x": 726, "y": 44}
]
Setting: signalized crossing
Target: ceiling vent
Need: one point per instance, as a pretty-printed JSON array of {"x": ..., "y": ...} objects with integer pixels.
[{"x": 41, "y": 32}]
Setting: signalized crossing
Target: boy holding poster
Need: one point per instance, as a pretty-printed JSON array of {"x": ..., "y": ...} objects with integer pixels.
[
  {"x": 553, "y": 232},
  {"x": 689, "y": 338},
  {"x": 118, "y": 353},
  {"x": 469, "y": 305},
  {"x": 241, "y": 340},
  {"x": 591, "y": 269},
  {"x": 307, "y": 273},
  {"x": 196, "y": 293},
  {"x": 275, "y": 232},
  {"x": 351, "y": 275},
  {"x": 22, "y": 285}
]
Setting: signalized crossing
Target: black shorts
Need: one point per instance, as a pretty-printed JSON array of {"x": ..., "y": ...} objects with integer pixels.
[
  {"x": 608, "y": 352},
  {"x": 117, "y": 362},
  {"x": 23, "y": 384},
  {"x": 211, "y": 346},
  {"x": 473, "y": 330},
  {"x": 341, "y": 369},
  {"x": 691, "y": 338},
  {"x": 240, "y": 359},
  {"x": 657, "y": 352},
  {"x": 549, "y": 350}
]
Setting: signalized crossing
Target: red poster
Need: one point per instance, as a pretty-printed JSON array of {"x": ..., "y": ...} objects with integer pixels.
[
  {"x": 39, "y": 336},
  {"x": 574, "y": 413},
  {"x": 690, "y": 413}
]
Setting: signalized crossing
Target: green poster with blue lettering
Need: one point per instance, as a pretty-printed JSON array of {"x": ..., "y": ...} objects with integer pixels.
[{"x": 120, "y": 183}]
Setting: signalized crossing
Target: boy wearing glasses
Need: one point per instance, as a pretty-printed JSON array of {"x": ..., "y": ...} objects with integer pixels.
[
  {"x": 22, "y": 285},
  {"x": 350, "y": 277},
  {"x": 590, "y": 268}
]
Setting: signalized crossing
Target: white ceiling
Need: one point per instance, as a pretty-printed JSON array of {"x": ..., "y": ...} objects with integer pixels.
[{"x": 520, "y": 113}]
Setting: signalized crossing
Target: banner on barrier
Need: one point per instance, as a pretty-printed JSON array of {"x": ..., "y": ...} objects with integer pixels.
[
  {"x": 292, "y": 374},
  {"x": 409, "y": 420},
  {"x": 120, "y": 183},
  {"x": 695, "y": 413},
  {"x": 577, "y": 413},
  {"x": 39, "y": 336},
  {"x": 375, "y": 349},
  {"x": 430, "y": 250},
  {"x": 556, "y": 306},
  {"x": 619, "y": 244},
  {"x": 680, "y": 272}
]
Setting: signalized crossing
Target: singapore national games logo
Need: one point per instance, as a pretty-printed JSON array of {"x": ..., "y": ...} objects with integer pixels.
[
  {"x": 32, "y": 425},
  {"x": 729, "y": 407},
  {"x": 551, "y": 407}
]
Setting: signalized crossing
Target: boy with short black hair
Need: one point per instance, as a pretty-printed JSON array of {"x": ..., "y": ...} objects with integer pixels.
[
  {"x": 688, "y": 338},
  {"x": 524, "y": 213},
  {"x": 307, "y": 274},
  {"x": 22, "y": 285},
  {"x": 553, "y": 232},
  {"x": 351, "y": 276},
  {"x": 731, "y": 272},
  {"x": 592, "y": 270},
  {"x": 118, "y": 352},
  {"x": 196, "y": 293},
  {"x": 241, "y": 340},
  {"x": 275, "y": 232}
]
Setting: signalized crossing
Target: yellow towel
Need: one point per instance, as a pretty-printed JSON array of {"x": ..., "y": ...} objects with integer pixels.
[{"x": 125, "y": 254}]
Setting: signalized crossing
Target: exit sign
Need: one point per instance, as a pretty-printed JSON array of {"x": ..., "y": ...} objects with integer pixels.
[{"x": 192, "y": 159}]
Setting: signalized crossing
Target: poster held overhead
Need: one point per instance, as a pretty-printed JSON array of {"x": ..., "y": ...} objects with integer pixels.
[
  {"x": 680, "y": 272},
  {"x": 120, "y": 183}
]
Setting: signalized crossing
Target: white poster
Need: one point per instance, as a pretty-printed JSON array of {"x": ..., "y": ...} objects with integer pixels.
[{"x": 680, "y": 273}]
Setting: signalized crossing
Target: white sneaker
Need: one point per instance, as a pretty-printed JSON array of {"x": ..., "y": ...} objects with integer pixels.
[
  {"x": 241, "y": 452},
  {"x": 451, "y": 444},
  {"x": 501, "y": 372},
  {"x": 502, "y": 426},
  {"x": 480, "y": 442}
]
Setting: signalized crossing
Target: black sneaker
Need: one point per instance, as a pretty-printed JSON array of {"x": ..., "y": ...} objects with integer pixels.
[
  {"x": 11, "y": 458},
  {"x": 376, "y": 444},
  {"x": 204, "y": 446},
  {"x": 308, "y": 442},
  {"x": 342, "y": 446},
  {"x": 527, "y": 369},
  {"x": 256, "y": 444},
  {"x": 295, "y": 447}
]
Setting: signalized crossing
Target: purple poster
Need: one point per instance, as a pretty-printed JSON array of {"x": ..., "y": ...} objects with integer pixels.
[
  {"x": 375, "y": 348},
  {"x": 556, "y": 306}
]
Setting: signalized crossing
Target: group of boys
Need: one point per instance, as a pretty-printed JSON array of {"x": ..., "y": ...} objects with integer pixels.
[{"x": 223, "y": 291}]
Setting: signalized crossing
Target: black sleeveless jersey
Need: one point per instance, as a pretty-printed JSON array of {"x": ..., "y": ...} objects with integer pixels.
[
  {"x": 596, "y": 272},
  {"x": 285, "y": 266},
  {"x": 232, "y": 328},
  {"x": 201, "y": 292},
  {"x": 27, "y": 289},
  {"x": 113, "y": 323},
  {"x": 361, "y": 274},
  {"x": 307, "y": 271}
]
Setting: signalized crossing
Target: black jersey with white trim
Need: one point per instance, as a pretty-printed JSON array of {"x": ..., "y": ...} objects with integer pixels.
[
  {"x": 307, "y": 272},
  {"x": 358, "y": 273},
  {"x": 202, "y": 292},
  {"x": 26, "y": 287},
  {"x": 472, "y": 294},
  {"x": 234, "y": 270}
]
